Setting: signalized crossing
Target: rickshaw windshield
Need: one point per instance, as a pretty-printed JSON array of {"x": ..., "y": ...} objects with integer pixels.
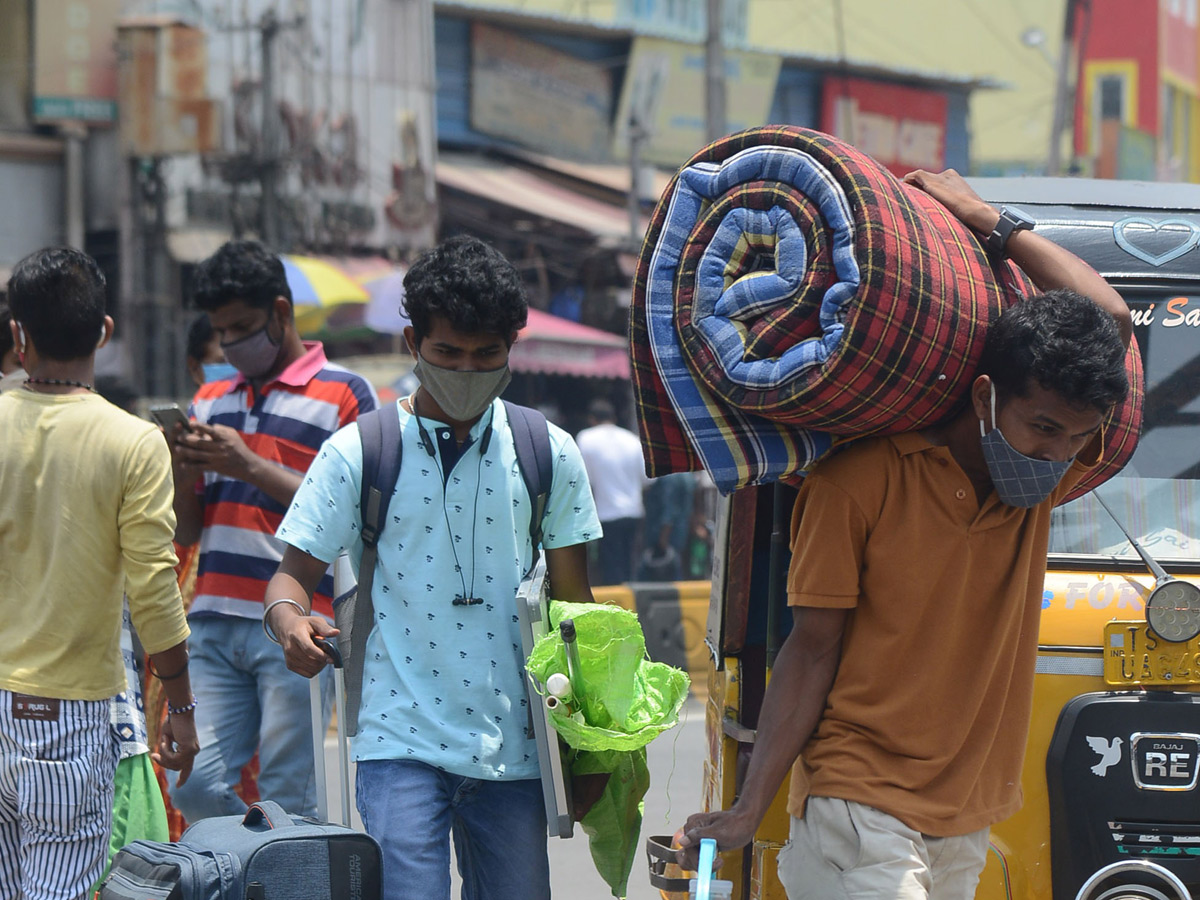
[{"x": 1157, "y": 495}]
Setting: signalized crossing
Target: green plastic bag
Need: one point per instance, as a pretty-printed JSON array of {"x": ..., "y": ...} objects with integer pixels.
[{"x": 627, "y": 702}]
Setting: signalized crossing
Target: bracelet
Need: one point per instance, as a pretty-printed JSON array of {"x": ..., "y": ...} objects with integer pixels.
[
  {"x": 179, "y": 674},
  {"x": 270, "y": 606},
  {"x": 180, "y": 710}
]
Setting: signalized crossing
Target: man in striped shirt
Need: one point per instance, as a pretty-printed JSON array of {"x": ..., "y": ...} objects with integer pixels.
[{"x": 237, "y": 468}]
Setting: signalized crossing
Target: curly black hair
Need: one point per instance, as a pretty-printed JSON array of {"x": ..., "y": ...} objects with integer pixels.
[
  {"x": 471, "y": 284},
  {"x": 1062, "y": 341},
  {"x": 57, "y": 295},
  {"x": 199, "y": 334},
  {"x": 240, "y": 270},
  {"x": 6, "y": 338}
]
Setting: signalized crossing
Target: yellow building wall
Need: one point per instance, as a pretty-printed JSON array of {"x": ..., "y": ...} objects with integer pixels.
[
  {"x": 980, "y": 40},
  {"x": 1009, "y": 125}
]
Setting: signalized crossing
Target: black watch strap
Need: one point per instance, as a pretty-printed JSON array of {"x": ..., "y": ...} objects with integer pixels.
[{"x": 1009, "y": 222}]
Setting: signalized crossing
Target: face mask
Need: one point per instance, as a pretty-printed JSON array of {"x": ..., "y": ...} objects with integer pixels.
[
  {"x": 1019, "y": 480},
  {"x": 20, "y": 344},
  {"x": 218, "y": 371},
  {"x": 255, "y": 354},
  {"x": 463, "y": 396}
]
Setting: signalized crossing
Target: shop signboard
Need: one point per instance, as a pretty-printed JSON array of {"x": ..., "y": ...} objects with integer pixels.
[
  {"x": 664, "y": 87},
  {"x": 75, "y": 60},
  {"x": 538, "y": 96},
  {"x": 683, "y": 20},
  {"x": 903, "y": 128}
]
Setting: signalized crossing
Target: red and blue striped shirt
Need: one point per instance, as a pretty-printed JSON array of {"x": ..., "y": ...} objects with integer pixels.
[{"x": 285, "y": 423}]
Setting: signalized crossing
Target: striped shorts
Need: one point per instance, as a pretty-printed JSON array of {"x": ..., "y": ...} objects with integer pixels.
[{"x": 56, "y": 793}]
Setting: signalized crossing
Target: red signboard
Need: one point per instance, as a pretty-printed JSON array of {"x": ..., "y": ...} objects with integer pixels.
[{"x": 903, "y": 128}]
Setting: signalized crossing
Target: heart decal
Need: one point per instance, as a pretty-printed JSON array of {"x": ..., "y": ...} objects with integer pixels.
[{"x": 1189, "y": 233}]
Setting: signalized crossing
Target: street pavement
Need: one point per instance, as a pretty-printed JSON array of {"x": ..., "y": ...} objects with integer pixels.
[{"x": 676, "y": 761}]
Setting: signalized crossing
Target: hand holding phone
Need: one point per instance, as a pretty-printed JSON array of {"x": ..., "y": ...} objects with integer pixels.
[{"x": 167, "y": 416}]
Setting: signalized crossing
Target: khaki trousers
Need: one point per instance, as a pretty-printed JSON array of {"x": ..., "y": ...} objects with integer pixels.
[{"x": 843, "y": 850}]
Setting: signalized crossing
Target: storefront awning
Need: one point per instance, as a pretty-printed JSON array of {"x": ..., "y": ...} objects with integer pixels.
[
  {"x": 558, "y": 346},
  {"x": 532, "y": 195}
]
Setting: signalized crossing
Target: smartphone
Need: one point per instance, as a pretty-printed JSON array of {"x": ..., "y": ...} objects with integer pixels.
[{"x": 168, "y": 415}]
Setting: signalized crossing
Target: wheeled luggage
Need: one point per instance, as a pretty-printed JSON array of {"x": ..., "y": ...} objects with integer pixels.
[{"x": 267, "y": 854}]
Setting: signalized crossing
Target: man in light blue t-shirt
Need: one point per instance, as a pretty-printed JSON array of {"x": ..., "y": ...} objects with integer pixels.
[{"x": 443, "y": 742}]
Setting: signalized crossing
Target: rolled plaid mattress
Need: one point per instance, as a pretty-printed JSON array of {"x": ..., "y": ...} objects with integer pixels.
[{"x": 792, "y": 294}]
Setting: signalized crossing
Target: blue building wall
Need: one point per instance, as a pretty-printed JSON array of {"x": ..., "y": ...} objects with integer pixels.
[
  {"x": 797, "y": 98},
  {"x": 452, "y": 48}
]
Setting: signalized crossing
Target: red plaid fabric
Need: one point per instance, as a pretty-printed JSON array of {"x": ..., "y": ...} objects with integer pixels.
[{"x": 913, "y": 330}]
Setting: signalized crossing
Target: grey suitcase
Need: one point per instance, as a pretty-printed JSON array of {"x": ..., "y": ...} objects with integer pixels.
[{"x": 267, "y": 854}]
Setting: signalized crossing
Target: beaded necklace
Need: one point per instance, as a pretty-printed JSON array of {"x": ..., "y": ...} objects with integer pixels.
[{"x": 58, "y": 382}]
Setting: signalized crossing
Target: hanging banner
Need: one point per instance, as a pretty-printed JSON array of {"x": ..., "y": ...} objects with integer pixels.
[
  {"x": 664, "y": 91},
  {"x": 903, "y": 128},
  {"x": 75, "y": 60},
  {"x": 538, "y": 96}
]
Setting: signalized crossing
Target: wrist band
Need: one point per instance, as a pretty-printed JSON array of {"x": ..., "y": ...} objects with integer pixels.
[
  {"x": 178, "y": 674},
  {"x": 180, "y": 710},
  {"x": 270, "y": 606}
]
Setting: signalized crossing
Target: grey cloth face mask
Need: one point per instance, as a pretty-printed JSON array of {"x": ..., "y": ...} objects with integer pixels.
[
  {"x": 463, "y": 396},
  {"x": 1020, "y": 480},
  {"x": 255, "y": 354}
]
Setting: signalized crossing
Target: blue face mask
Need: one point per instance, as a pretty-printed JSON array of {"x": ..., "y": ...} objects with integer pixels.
[
  {"x": 1020, "y": 480},
  {"x": 218, "y": 371}
]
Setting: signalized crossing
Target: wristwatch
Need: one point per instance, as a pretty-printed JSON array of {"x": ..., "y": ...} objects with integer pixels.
[{"x": 1010, "y": 220}]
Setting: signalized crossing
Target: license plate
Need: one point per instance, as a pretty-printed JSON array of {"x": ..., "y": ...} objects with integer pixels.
[{"x": 1136, "y": 656}]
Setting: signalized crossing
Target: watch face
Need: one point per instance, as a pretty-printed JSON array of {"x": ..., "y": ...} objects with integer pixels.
[{"x": 1019, "y": 218}]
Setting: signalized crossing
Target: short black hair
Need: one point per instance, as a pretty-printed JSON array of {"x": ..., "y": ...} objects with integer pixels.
[
  {"x": 1065, "y": 343},
  {"x": 200, "y": 333},
  {"x": 240, "y": 270},
  {"x": 117, "y": 391},
  {"x": 602, "y": 410},
  {"x": 471, "y": 284},
  {"x": 6, "y": 338},
  {"x": 57, "y": 295}
]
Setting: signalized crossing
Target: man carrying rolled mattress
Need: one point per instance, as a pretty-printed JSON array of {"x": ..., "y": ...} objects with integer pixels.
[{"x": 901, "y": 760}]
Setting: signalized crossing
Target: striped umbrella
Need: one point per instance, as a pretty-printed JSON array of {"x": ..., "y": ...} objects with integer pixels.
[{"x": 317, "y": 289}]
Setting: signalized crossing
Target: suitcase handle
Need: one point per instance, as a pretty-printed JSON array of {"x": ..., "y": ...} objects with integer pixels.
[
  {"x": 660, "y": 855},
  {"x": 266, "y": 813},
  {"x": 331, "y": 650}
]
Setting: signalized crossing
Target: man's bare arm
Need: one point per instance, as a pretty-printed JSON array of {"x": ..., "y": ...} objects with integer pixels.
[
  {"x": 792, "y": 706},
  {"x": 567, "y": 570},
  {"x": 1047, "y": 264},
  {"x": 296, "y": 578}
]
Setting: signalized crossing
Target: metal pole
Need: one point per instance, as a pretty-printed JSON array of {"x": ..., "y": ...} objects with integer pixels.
[
  {"x": 636, "y": 135},
  {"x": 74, "y": 202},
  {"x": 778, "y": 559},
  {"x": 1058, "y": 124},
  {"x": 714, "y": 73},
  {"x": 269, "y": 164}
]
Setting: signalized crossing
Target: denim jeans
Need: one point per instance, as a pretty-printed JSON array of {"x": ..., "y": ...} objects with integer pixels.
[
  {"x": 499, "y": 830},
  {"x": 247, "y": 700}
]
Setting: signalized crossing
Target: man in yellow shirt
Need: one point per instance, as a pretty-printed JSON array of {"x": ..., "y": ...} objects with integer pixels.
[
  {"x": 901, "y": 761},
  {"x": 86, "y": 518}
]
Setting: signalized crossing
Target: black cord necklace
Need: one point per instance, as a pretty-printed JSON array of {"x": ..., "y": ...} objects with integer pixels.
[
  {"x": 59, "y": 382},
  {"x": 466, "y": 598}
]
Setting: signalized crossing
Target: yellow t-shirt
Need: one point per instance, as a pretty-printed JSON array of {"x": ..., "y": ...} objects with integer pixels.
[
  {"x": 85, "y": 517},
  {"x": 928, "y": 714}
]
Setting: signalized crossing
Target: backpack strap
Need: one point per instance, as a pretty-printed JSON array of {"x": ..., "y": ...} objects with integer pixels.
[
  {"x": 531, "y": 440},
  {"x": 379, "y": 431}
]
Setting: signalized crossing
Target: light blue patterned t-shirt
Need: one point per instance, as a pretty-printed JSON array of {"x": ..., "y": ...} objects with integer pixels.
[{"x": 442, "y": 683}]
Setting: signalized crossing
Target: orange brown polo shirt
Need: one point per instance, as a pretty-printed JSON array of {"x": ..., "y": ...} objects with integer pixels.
[{"x": 928, "y": 714}]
